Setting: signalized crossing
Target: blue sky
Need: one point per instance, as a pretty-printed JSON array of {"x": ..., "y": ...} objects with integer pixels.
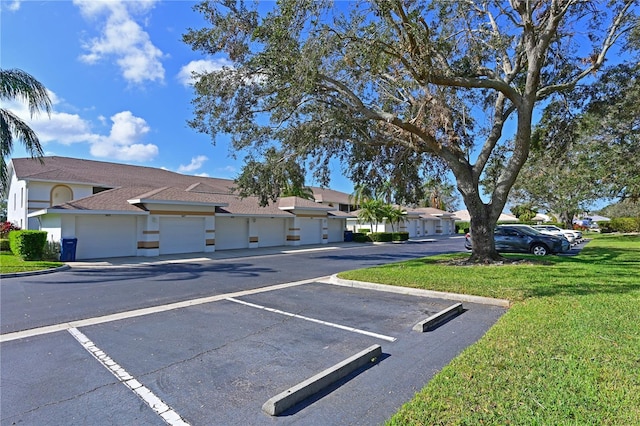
[{"x": 119, "y": 78}]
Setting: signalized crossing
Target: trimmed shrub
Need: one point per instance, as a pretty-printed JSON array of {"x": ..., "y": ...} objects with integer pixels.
[
  {"x": 359, "y": 237},
  {"x": 28, "y": 244},
  {"x": 381, "y": 237},
  {"x": 364, "y": 230},
  {"x": 400, "y": 236},
  {"x": 462, "y": 227},
  {"x": 621, "y": 224},
  {"x": 4, "y": 244}
]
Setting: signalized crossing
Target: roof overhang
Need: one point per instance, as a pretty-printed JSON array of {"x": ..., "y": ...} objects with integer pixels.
[
  {"x": 177, "y": 203},
  {"x": 87, "y": 212}
]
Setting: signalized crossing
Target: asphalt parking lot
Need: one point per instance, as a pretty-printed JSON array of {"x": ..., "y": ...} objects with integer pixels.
[
  {"x": 216, "y": 358},
  {"x": 219, "y": 362}
]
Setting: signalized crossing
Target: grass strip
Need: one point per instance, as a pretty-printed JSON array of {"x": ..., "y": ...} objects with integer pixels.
[
  {"x": 566, "y": 352},
  {"x": 9, "y": 263}
]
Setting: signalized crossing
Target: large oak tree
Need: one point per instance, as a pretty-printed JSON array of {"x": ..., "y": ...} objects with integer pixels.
[{"x": 398, "y": 89}]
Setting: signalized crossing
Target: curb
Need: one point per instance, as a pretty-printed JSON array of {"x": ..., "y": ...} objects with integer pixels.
[
  {"x": 419, "y": 292},
  {"x": 287, "y": 399},
  {"x": 434, "y": 320},
  {"x": 40, "y": 272}
]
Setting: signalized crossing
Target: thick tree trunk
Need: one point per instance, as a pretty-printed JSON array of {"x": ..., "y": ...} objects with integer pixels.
[{"x": 482, "y": 230}]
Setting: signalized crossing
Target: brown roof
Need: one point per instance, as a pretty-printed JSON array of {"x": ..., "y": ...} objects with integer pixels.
[
  {"x": 133, "y": 183},
  {"x": 290, "y": 203},
  {"x": 325, "y": 195},
  {"x": 110, "y": 175}
]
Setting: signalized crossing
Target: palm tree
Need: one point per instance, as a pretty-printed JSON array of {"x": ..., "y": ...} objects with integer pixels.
[
  {"x": 361, "y": 194},
  {"x": 394, "y": 215},
  {"x": 17, "y": 84},
  {"x": 371, "y": 212}
]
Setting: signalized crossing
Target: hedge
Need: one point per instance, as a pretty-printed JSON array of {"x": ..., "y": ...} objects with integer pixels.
[
  {"x": 4, "y": 244},
  {"x": 359, "y": 237},
  {"x": 400, "y": 236},
  {"x": 28, "y": 244},
  {"x": 381, "y": 237},
  {"x": 621, "y": 224}
]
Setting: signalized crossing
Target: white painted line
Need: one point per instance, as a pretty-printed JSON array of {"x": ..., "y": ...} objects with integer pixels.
[
  {"x": 308, "y": 250},
  {"x": 317, "y": 321},
  {"x": 145, "y": 311},
  {"x": 168, "y": 414}
]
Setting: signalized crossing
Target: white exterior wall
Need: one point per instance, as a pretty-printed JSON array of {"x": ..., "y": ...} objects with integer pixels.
[
  {"x": 16, "y": 203},
  {"x": 52, "y": 224},
  {"x": 28, "y": 197}
]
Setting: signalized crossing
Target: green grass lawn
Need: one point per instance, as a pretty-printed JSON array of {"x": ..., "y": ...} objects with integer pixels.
[
  {"x": 10, "y": 264},
  {"x": 566, "y": 353}
]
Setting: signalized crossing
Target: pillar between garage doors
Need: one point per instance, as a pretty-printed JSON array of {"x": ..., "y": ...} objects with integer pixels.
[
  {"x": 253, "y": 233},
  {"x": 209, "y": 234},
  {"x": 149, "y": 240},
  {"x": 293, "y": 232}
]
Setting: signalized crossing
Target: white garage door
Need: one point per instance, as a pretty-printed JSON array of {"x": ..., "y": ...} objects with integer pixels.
[
  {"x": 336, "y": 230},
  {"x": 310, "y": 231},
  {"x": 105, "y": 236},
  {"x": 232, "y": 233},
  {"x": 181, "y": 235},
  {"x": 271, "y": 232}
]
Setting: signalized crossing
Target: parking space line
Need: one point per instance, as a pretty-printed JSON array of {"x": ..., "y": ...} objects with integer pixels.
[
  {"x": 317, "y": 321},
  {"x": 145, "y": 311},
  {"x": 167, "y": 413}
]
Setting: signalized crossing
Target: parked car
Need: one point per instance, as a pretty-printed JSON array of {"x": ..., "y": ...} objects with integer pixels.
[
  {"x": 524, "y": 239},
  {"x": 569, "y": 234}
]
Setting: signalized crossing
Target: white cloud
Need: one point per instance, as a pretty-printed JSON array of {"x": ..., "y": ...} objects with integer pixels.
[
  {"x": 122, "y": 142},
  {"x": 228, "y": 171},
  {"x": 13, "y": 6},
  {"x": 186, "y": 74},
  {"x": 196, "y": 163},
  {"x": 123, "y": 38}
]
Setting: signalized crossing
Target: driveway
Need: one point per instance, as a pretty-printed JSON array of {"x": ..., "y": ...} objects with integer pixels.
[{"x": 211, "y": 342}]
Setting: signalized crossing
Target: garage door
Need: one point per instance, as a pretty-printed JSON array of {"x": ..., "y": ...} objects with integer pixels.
[
  {"x": 232, "y": 233},
  {"x": 181, "y": 235},
  {"x": 271, "y": 232},
  {"x": 336, "y": 230},
  {"x": 105, "y": 236},
  {"x": 310, "y": 231}
]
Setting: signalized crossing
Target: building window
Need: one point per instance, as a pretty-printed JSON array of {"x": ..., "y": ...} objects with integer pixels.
[{"x": 21, "y": 197}]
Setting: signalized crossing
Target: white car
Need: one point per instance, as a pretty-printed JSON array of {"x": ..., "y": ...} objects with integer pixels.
[{"x": 569, "y": 234}]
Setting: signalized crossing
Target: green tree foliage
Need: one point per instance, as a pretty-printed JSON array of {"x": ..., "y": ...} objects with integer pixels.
[
  {"x": 584, "y": 151},
  {"x": 371, "y": 211},
  {"x": 440, "y": 194},
  {"x": 17, "y": 84},
  {"x": 612, "y": 130},
  {"x": 524, "y": 212},
  {"x": 625, "y": 208},
  {"x": 390, "y": 89}
]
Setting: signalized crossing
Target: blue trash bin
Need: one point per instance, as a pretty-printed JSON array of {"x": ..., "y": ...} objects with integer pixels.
[
  {"x": 68, "y": 249},
  {"x": 348, "y": 236}
]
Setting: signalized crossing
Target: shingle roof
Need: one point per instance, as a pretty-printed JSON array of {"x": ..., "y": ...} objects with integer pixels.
[
  {"x": 110, "y": 175},
  {"x": 289, "y": 203},
  {"x": 133, "y": 183},
  {"x": 325, "y": 195}
]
